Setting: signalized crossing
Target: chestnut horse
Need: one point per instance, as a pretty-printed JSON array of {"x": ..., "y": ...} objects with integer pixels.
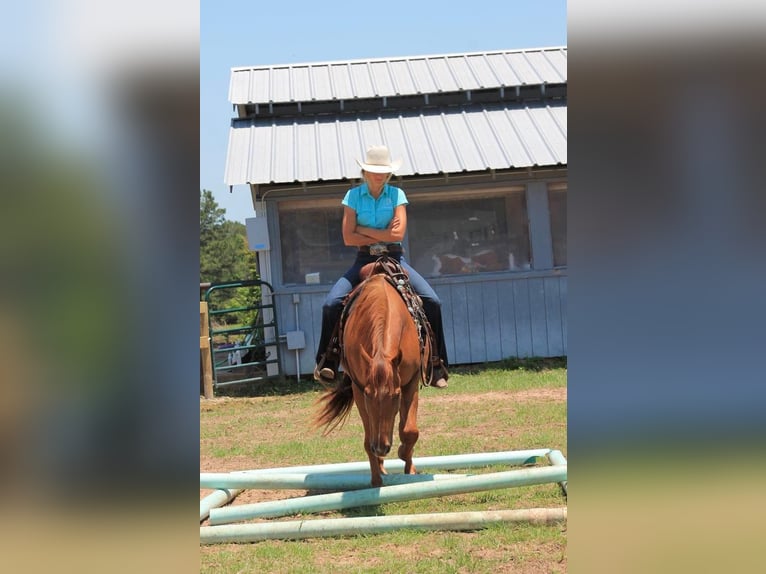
[{"x": 383, "y": 364}]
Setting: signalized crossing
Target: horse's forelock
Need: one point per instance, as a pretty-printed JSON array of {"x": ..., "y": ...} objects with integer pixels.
[{"x": 381, "y": 376}]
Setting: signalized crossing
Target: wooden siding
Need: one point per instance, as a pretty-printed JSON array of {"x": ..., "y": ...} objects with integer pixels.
[{"x": 485, "y": 318}]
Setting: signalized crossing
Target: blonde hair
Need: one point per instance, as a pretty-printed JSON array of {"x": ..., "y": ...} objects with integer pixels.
[{"x": 363, "y": 179}]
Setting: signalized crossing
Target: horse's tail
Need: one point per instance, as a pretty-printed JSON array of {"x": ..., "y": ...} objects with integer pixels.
[{"x": 334, "y": 406}]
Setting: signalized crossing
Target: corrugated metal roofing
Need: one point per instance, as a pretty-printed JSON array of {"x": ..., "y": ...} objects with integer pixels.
[
  {"x": 473, "y": 138},
  {"x": 413, "y": 75}
]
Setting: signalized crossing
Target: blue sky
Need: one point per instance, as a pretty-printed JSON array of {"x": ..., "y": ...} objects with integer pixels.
[{"x": 254, "y": 33}]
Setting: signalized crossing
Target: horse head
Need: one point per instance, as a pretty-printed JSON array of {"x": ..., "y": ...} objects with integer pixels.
[{"x": 382, "y": 397}]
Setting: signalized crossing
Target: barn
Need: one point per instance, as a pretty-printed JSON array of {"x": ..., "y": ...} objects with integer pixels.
[{"x": 482, "y": 137}]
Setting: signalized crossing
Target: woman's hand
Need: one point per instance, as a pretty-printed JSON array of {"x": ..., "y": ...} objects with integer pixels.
[
  {"x": 391, "y": 234},
  {"x": 358, "y": 235}
]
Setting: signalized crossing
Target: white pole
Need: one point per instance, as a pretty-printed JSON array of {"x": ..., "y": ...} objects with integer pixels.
[
  {"x": 557, "y": 457},
  {"x": 310, "y": 481},
  {"x": 296, "y": 529},
  {"x": 215, "y": 500},
  {"x": 386, "y": 494},
  {"x": 444, "y": 462},
  {"x": 296, "y": 302}
]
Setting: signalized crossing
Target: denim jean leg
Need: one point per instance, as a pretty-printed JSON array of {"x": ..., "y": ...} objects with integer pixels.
[{"x": 431, "y": 306}]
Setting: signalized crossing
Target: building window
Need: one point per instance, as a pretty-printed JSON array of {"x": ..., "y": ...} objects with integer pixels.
[
  {"x": 312, "y": 241},
  {"x": 557, "y": 204},
  {"x": 469, "y": 233}
]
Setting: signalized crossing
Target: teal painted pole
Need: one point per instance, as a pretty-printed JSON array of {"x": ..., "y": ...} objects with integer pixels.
[
  {"x": 216, "y": 499},
  {"x": 297, "y": 529},
  {"x": 445, "y": 462},
  {"x": 557, "y": 458},
  {"x": 402, "y": 492},
  {"x": 310, "y": 481}
]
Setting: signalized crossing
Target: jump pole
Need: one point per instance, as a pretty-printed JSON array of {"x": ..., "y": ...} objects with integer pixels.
[
  {"x": 386, "y": 494},
  {"x": 215, "y": 500},
  {"x": 297, "y": 529},
  {"x": 311, "y": 481},
  {"x": 444, "y": 462},
  {"x": 557, "y": 458}
]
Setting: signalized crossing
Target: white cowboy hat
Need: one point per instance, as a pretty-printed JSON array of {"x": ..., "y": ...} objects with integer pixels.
[{"x": 378, "y": 160}]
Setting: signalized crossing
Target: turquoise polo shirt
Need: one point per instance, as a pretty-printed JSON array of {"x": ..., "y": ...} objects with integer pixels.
[{"x": 371, "y": 212}]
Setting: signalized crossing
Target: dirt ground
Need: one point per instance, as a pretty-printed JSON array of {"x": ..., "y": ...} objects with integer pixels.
[{"x": 234, "y": 463}]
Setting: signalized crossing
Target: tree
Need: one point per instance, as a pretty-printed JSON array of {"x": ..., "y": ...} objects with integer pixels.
[
  {"x": 225, "y": 256},
  {"x": 223, "y": 251}
]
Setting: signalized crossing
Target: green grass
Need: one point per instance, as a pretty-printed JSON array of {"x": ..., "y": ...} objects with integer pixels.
[{"x": 508, "y": 406}]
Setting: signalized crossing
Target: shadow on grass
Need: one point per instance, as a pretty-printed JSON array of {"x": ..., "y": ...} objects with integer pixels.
[
  {"x": 535, "y": 364},
  {"x": 283, "y": 386},
  {"x": 353, "y": 512}
]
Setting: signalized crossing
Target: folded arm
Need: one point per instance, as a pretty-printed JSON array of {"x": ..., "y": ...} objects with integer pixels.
[{"x": 391, "y": 234}]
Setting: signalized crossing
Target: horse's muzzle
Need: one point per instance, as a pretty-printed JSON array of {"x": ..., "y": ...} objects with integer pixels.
[{"x": 380, "y": 449}]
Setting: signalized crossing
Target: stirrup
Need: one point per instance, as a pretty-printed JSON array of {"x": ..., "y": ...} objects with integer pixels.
[
  {"x": 327, "y": 374},
  {"x": 323, "y": 373}
]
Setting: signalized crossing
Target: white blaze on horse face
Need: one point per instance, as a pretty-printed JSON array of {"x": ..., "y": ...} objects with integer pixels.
[{"x": 386, "y": 406}]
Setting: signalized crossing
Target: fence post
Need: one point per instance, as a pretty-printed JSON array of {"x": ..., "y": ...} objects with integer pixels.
[{"x": 204, "y": 349}]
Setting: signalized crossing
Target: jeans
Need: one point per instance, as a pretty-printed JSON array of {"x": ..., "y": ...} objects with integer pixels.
[{"x": 333, "y": 304}]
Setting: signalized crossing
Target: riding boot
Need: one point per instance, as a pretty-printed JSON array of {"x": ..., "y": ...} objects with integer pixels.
[
  {"x": 327, "y": 362},
  {"x": 439, "y": 374}
]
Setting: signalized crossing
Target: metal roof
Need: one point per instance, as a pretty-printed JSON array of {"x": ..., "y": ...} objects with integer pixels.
[
  {"x": 450, "y": 140},
  {"x": 386, "y": 77}
]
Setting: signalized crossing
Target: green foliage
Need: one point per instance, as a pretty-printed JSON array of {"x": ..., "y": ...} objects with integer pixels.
[
  {"x": 223, "y": 251},
  {"x": 224, "y": 256}
]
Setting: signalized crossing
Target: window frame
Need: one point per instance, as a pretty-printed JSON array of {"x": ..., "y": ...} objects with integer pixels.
[{"x": 556, "y": 187}]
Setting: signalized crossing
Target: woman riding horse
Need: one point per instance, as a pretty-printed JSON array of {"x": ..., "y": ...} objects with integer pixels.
[{"x": 375, "y": 221}]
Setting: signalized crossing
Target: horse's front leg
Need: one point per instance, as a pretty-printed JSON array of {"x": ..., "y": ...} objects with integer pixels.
[
  {"x": 408, "y": 425},
  {"x": 376, "y": 468},
  {"x": 376, "y": 462}
]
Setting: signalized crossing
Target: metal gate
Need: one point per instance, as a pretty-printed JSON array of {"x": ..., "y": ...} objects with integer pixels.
[{"x": 243, "y": 351}]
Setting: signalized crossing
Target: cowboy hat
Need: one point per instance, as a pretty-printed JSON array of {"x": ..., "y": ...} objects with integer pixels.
[{"x": 378, "y": 160}]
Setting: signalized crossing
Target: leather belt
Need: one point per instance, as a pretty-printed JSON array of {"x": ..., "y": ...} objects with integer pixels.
[{"x": 381, "y": 248}]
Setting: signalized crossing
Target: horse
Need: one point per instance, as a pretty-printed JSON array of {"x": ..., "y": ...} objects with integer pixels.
[{"x": 383, "y": 361}]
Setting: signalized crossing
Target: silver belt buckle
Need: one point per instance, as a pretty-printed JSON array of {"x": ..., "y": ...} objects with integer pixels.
[{"x": 378, "y": 249}]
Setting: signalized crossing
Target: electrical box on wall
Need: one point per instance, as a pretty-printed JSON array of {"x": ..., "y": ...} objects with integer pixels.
[
  {"x": 257, "y": 233},
  {"x": 296, "y": 340}
]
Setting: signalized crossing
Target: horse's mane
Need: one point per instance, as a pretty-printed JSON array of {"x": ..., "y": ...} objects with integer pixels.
[{"x": 373, "y": 335}]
